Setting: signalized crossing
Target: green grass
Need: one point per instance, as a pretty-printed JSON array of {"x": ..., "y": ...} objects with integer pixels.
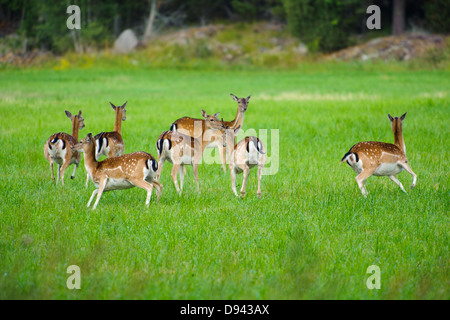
[{"x": 311, "y": 236}]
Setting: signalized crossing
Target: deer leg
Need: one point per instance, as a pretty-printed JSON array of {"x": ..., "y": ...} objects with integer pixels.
[
  {"x": 63, "y": 169},
  {"x": 146, "y": 186},
  {"x": 258, "y": 193},
  {"x": 158, "y": 173},
  {"x": 397, "y": 182},
  {"x": 160, "y": 167},
  {"x": 158, "y": 187},
  {"x": 59, "y": 173},
  {"x": 175, "y": 170},
  {"x": 92, "y": 197},
  {"x": 361, "y": 180},
  {"x": 244, "y": 183},
  {"x": 233, "y": 181},
  {"x": 408, "y": 168},
  {"x": 74, "y": 170},
  {"x": 51, "y": 168},
  {"x": 223, "y": 157},
  {"x": 87, "y": 180},
  {"x": 182, "y": 172},
  {"x": 195, "y": 169},
  {"x": 102, "y": 186}
]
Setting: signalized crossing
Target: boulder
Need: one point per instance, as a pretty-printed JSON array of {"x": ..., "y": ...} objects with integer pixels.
[{"x": 126, "y": 42}]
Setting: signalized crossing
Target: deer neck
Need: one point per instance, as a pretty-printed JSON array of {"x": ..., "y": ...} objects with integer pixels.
[
  {"x": 89, "y": 158},
  {"x": 75, "y": 129},
  {"x": 398, "y": 138},
  {"x": 118, "y": 122},
  {"x": 238, "y": 119}
]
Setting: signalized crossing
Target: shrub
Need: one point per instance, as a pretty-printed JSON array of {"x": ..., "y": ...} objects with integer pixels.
[{"x": 326, "y": 23}]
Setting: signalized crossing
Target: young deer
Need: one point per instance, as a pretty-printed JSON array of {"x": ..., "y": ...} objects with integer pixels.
[
  {"x": 246, "y": 154},
  {"x": 186, "y": 125},
  {"x": 379, "y": 158},
  {"x": 181, "y": 150},
  {"x": 58, "y": 148},
  {"x": 111, "y": 144},
  {"x": 126, "y": 171}
]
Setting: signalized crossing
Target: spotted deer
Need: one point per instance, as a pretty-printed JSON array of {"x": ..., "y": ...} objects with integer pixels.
[
  {"x": 379, "y": 158},
  {"x": 187, "y": 126},
  {"x": 181, "y": 150},
  {"x": 111, "y": 144},
  {"x": 244, "y": 155},
  {"x": 137, "y": 169},
  {"x": 58, "y": 148}
]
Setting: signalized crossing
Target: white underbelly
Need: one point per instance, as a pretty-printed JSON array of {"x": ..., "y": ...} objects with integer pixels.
[
  {"x": 186, "y": 160},
  {"x": 388, "y": 169},
  {"x": 58, "y": 160},
  {"x": 117, "y": 184}
]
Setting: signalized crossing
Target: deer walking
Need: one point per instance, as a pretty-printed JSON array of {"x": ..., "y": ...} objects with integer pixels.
[
  {"x": 126, "y": 171},
  {"x": 58, "y": 148},
  {"x": 187, "y": 126},
  {"x": 380, "y": 159},
  {"x": 111, "y": 143},
  {"x": 181, "y": 150},
  {"x": 244, "y": 155}
]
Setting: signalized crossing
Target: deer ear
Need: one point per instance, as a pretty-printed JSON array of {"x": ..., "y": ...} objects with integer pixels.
[
  {"x": 204, "y": 114},
  {"x": 79, "y": 113},
  {"x": 68, "y": 114},
  {"x": 403, "y": 116},
  {"x": 234, "y": 97},
  {"x": 390, "y": 117},
  {"x": 89, "y": 136},
  {"x": 113, "y": 106},
  {"x": 123, "y": 106},
  {"x": 216, "y": 114},
  {"x": 248, "y": 98}
]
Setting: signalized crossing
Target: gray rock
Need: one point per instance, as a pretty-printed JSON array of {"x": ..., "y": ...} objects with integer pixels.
[{"x": 126, "y": 42}]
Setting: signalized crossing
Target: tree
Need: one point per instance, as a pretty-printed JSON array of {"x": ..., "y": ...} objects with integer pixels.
[
  {"x": 398, "y": 17},
  {"x": 325, "y": 25}
]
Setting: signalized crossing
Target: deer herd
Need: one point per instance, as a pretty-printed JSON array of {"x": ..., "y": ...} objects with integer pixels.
[{"x": 184, "y": 144}]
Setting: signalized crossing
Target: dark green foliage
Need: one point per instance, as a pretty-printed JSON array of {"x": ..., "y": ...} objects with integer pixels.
[
  {"x": 437, "y": 13},
  {"x": 324, "y": 24}
]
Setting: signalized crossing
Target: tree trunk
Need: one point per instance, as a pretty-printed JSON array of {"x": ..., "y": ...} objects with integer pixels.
[
  {"x": 151, "y": 19},
  {"x": 398, "y": 17}
]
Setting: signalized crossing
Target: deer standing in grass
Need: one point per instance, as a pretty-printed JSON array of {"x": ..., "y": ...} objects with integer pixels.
[
  {"x": 379, "y": 158},
  {"x": 111, "y": 144},
  {"x": 187, "y": 126},
  {"x": 58, "y": 148},
  {"x": 244, "y": 155},
  {"x": 126, "y": 171},
  {"x": 181, "y": 150}
]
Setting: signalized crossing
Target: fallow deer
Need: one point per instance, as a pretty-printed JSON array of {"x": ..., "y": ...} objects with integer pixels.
[
  {"x": 58, "y": 148},
  {"x": 187, "y": 126},
  {"x": 181, "y": 150},
  {"x": 126, "y": 171},
  {"x": 244, "y": 155},
  {"x": 111, "y": 143},
  {"x": 379, "y": 158}
]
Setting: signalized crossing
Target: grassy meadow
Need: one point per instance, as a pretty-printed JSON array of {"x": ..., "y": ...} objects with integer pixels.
[{"x": 312, "y": 235}]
